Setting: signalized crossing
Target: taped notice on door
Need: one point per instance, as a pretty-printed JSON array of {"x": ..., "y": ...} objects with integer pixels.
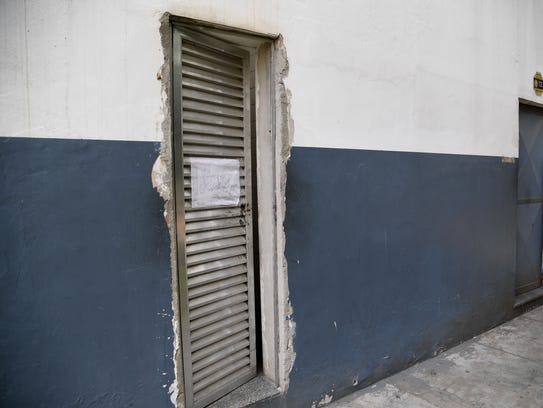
[{"x": 214, "y": 182}]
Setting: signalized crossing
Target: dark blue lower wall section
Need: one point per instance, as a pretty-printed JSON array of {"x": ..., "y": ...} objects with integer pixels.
[
  {"x": 391, "y": 257},
  {"x": 85, "y": 298}
]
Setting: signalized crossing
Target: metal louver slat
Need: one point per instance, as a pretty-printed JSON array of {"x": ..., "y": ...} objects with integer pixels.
[
  {"x": 212, "y": 87},
  {"x": 211, "y": 151},
  {"x": 213, "y": 140},
  {"x": 220, "y": 374},
  {"x": 223, "y": 59},
  {"x": 218, "y": 244},
  {"x": 219, "y": 335},
  {"x": 206, "y": 236},
  {"x": 198, "y": 62},
  {"x": 215, "y": 255},
  {"x": 212, "y": 130},
  {"x": 215, "y": 265},
  {"x": 223, "y": 379},
  {"x": 214, "y": 224},
  {"x": 221, "y": 314},
  {"x": 211, "y": 352},
  {"x": 216, "y": 367},
  {"x": 214, "y": 327},
  {"x": 212, "y": 287},
  {"x": 211, "y": 101},
  {"x": 200, "y": 215},
  {"x": 213, "y": 307},
  {"x": 216, "y": 356},
  {"x": 218, "y": 295},
  {"x": 196, "y": 73},
  {"x": 211, "y": 119},
  {"x": 188, "y": 208},
  {"x": 219, "y": 100},
  {"x": 215, "y": 276},
  {"x": 205, "y": 107}
]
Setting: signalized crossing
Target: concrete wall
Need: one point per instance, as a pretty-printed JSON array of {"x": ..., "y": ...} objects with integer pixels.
[
  {"x": 85, "y": 281},
  {"x": 392, "y": 75},
  {"x": 392, "y": 257},
  {"x": 403, "y": 107}
]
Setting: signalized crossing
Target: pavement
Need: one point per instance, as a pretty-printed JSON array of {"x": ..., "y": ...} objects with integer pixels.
[{"x": 500, "y": 368}]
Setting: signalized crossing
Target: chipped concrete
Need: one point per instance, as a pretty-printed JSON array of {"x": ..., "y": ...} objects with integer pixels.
[
  {"x": 321, "y": 403},
  {"x": 499, "y": 369},
  {"x": 162, "y": 178},
  {"x": 284, "y": 131}
]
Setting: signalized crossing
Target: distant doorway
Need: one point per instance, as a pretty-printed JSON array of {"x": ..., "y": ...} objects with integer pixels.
[{"x": 529, "y": 200}]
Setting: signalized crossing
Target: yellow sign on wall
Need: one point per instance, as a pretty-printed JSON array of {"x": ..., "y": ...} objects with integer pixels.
[{"x": 538, "y": 83}]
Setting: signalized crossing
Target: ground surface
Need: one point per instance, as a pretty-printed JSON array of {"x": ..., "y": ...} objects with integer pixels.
[{"x": 500, "y": 368}]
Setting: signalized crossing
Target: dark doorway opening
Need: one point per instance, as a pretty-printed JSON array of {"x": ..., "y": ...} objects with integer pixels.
[{"x": 529, "y": 200}]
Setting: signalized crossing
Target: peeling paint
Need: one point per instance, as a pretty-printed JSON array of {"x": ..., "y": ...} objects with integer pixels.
[
  {"x": 508, "y": 159},
  {"x": 160, "y": 177},
  {"x": 325, "y": 400},
  {"x": 173, "y": 390}
]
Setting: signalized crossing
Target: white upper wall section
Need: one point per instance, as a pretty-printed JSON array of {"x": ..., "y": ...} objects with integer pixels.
[
  {"x": 411, "y": 75},
  {"x": 530, "y": 47}
]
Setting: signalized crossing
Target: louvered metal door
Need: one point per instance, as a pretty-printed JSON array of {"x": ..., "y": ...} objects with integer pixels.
[{"x": 212, "y": 125}]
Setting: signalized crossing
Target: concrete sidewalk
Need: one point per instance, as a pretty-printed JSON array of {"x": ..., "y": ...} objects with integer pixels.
[{"x": 500, "y": 368}]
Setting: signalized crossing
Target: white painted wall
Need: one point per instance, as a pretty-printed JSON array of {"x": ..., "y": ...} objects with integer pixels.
[
  {"x": 530, "y": 47},
  {"x": 411, "y": 75}
]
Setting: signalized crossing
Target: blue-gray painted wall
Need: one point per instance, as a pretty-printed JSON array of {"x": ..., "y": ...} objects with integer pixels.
[
  {"x": 391, "y": 256},
  {"x": 85, "y": 292}
]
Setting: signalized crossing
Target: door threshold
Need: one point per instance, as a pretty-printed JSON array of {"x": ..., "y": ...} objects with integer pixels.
[
  {"x": 256, "y": 390},
  {"x": 521, "y": 300}
]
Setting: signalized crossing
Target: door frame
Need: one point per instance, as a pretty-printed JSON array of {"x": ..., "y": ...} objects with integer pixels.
[
  {"x": 532, "y": 293},
  {"x": 273, "y": 138}
]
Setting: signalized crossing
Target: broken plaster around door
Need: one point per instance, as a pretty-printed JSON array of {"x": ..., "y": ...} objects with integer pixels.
[{"x": 163, "y": 181}]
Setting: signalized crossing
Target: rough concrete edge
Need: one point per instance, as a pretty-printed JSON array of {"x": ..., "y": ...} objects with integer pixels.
[
  {"x": 284, "y": 131},
  {"x": 162, "y": 177},
  {"x": 323, "y": 401}
]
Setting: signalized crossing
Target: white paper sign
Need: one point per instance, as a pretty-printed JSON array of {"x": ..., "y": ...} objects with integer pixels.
[{"x": 214, "y": 182}]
